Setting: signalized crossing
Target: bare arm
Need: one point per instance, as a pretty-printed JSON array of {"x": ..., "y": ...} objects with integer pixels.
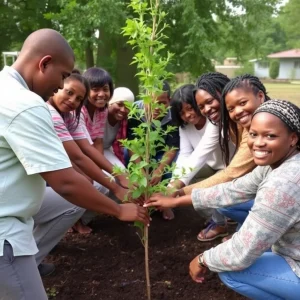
[
  {"x": 91, "y": 169},
  {"x": 98, "y": 144},
  {"x": 95, "y": 154},
  {"x": 77, "y": 189}
]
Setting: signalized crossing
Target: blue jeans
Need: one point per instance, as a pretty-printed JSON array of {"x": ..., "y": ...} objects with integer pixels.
[
  {"x": 238, "y": 212},
  {"x": 269, "y": 278}
]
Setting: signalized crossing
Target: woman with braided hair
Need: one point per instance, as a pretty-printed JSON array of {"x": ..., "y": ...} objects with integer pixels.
[
  {"x": 241, "y": 96},
  {"x": 243, "y": 262}
]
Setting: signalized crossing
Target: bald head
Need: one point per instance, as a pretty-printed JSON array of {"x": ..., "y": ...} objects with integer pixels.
[
  {"x": 46, "y": 42},
  {"x": 45, "y": 60}
]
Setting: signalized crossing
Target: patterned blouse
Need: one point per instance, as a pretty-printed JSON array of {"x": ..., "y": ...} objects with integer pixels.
[{"x": 274, "y": 220}]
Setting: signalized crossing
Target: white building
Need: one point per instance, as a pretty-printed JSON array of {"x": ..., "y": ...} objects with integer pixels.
[{"x": 289, "y": 65}]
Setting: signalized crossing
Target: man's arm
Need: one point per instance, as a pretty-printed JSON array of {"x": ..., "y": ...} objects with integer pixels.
[{"x": 77, "y": 189}]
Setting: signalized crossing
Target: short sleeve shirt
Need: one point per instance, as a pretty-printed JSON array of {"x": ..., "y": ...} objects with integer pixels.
[
  {"x": 96, "y": 125},
  {"x": 67, "y": 128},
  {"x": 28, "y": 146},
  {"x": 110, "y": 134}
]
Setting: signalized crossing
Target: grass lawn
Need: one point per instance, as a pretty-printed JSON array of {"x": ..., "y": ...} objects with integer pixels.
[{"x": 284, "y": 91}]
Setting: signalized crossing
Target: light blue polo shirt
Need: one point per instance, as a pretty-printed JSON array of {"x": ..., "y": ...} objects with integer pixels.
[{"x": 28, "y": 146}]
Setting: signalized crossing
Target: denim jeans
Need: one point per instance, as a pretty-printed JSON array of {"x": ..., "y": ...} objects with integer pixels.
[
  {"x": 269, "y": 278},
  {"x": 238, "y": 212}
]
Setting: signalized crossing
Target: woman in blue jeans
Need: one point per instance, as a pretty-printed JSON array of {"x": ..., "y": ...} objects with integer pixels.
[{"x": 274, "y": 220}]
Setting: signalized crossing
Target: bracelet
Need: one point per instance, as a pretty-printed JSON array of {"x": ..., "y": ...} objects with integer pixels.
[{"x": 201, "y": 261}]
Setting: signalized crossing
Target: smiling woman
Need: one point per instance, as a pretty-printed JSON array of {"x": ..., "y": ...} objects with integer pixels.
[
  {"x": 244, "y": 263},
  {"x": 272, "y": 141}
]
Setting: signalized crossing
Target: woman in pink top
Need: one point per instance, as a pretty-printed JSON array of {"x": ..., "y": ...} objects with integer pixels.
[{"x": 94, "y": 114}]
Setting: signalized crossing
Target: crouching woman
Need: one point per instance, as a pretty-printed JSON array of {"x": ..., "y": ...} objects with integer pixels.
[{"x": 274, "y": 220}]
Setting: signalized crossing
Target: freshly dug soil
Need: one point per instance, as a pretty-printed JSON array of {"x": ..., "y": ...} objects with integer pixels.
[{"x": 109, "y": 263}]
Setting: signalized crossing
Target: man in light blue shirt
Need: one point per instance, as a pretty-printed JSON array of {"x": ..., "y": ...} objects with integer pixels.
[{"x": 30, "y": 154}]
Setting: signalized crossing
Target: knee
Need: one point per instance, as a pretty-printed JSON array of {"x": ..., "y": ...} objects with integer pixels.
[{"x": 227, "y": 279}]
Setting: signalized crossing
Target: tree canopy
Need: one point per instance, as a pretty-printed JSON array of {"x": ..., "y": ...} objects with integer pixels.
[{"x": 198, "y": 32}]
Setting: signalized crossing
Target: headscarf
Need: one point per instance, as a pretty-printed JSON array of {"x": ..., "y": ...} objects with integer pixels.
[
  {"x": 286, "y": 111},
  {"x": 121, "y": 94}
]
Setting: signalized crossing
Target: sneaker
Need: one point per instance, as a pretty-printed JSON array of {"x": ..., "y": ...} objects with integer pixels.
[
  {"x": 212, "y": 232},
  {"x": 46, "y": 269}
]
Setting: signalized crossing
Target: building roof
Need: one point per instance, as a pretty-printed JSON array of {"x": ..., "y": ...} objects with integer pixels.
[{"x": 293, "y": 53}]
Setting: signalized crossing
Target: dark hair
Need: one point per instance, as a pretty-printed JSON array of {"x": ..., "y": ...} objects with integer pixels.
[
  {"x": 184, "y": 94},
  {"x": 166, "y": 88},
  {"x": 76, "y": 71},
  {"x": 246, "y": 82},
  {"x": 213, "y": 83},
  {"x": 81, "y": 79},
  {"x": 98, "y": 77}
]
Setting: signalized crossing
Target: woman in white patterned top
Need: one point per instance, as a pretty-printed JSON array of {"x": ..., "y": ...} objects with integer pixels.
[{"x": 274, "y": 220}]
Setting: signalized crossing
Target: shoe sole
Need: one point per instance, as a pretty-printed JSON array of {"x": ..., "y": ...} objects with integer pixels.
[{"x": 222, "y": 235}]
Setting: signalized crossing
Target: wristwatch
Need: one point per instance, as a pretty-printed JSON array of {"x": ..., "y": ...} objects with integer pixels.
[{"x": 201, "y": 261}]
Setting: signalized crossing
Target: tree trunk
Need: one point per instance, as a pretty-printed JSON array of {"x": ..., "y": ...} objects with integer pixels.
[
  {"x": 104, "y": 57},
  {"x": 89, "y": 55},
  {"x": 125, "y": 73}
]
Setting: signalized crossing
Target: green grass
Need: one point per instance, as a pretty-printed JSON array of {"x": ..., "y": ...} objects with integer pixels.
[{"x": 284, "y": 91}]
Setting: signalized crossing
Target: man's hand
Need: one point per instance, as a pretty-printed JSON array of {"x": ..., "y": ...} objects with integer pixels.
[
  {"x": 196, "y": 271},
  {"x": 133, "y": 212},
  {"x": 160, "y": 202}
]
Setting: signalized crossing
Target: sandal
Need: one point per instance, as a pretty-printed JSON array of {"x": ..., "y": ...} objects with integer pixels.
[
  {"x": 231, "y": 221},
  {"x": 212, "y": 232}
]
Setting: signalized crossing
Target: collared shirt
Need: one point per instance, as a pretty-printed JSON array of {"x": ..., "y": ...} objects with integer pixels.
[
  {"x": 28, "y": 146},
  {"x": 171, "y": 139},
  {"x": 274, "y": 220}
]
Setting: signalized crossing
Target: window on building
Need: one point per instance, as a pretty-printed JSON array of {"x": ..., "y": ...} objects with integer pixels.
[
  {"x": 297, "y": 64},
  {"x": 263, "y": 65}
]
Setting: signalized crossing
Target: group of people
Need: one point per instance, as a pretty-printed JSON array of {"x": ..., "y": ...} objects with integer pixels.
[{"x": 60, "y": 135}]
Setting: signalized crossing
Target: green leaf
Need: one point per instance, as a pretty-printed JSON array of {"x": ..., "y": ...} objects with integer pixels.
[
  {"x": 134, "y": 157},
  {"x": 143, "y": 182},
  {"x": 139, "y": 225},
  {"x": 136, "y": 193}
]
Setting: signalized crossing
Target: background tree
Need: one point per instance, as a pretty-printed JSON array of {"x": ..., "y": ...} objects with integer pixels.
[
  {"x": 290, "y": 22},
  {"x": 198, "y": 31}
]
